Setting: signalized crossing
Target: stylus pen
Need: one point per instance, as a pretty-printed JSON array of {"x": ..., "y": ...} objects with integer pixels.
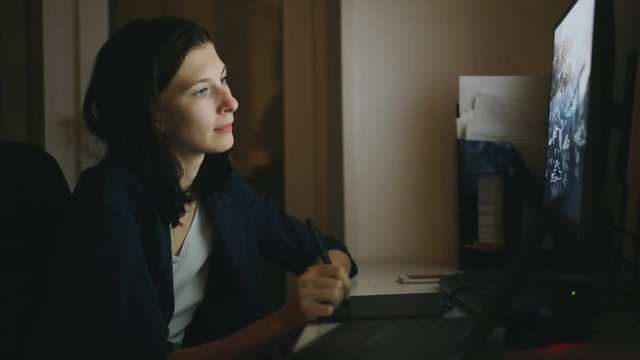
[
  {"x": 323, "y": 252},
  {"x": 316, "y": 235}
]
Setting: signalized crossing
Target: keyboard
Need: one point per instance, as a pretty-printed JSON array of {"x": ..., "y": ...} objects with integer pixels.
[
  {"x": 402, "y": 339},
  {"x": 471, "y": 289}
]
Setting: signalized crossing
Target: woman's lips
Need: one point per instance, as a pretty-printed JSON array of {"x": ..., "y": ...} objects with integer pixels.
[{"x": 225, "y": 129}]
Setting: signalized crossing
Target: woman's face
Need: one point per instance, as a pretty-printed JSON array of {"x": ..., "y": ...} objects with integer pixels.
[{"x": 195, "y": 111}]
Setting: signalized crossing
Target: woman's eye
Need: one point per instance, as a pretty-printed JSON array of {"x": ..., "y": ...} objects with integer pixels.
[
  {"x": 201, "y": 92},
  {"x": 223, "y": 80}
]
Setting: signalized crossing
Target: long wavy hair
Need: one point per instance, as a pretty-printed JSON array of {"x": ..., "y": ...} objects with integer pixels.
[{"x": 131, "y": 70}]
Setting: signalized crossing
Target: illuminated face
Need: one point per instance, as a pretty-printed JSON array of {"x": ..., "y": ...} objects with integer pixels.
[{"x": 195, "y": 111}]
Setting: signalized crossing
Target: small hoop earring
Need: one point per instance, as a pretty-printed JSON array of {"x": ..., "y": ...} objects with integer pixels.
[{"x": 159, "y": 129}]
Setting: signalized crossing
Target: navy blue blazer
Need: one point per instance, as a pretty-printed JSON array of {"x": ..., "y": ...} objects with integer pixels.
[{"x": 122, "y": 268}]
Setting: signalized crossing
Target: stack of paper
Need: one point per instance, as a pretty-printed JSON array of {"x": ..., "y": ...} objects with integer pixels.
[{"x": 510, "y": 109}]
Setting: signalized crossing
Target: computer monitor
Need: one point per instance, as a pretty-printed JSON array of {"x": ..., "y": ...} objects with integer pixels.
[{"x": 581, "y": 92}]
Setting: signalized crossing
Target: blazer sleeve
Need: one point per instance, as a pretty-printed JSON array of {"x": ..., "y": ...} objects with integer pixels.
[
  {"x": 121, "y": 315},
  {"x": 284, "y": 239}
]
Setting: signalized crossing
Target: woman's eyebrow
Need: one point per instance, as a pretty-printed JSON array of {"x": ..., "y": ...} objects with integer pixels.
[
  {"x": 203, "y": 80},
  {"x": 206, "y": 79}
]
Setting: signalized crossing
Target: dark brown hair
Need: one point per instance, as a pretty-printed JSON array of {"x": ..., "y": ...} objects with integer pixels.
[{"x": 131, "y": 70}]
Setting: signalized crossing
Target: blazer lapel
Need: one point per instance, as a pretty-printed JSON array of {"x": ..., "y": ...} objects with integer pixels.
[{"x": 228, "y": 242}]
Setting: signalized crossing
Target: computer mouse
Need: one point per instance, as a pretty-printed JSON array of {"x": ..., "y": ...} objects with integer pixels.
[
  {"x": 545, "y": 325},
  {"x": 548, "y": 312},
  {"x": 545, "y": 330}
]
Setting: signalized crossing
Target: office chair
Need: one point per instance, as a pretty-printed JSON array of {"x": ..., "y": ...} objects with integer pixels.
[{"x": 34, "y": 198}]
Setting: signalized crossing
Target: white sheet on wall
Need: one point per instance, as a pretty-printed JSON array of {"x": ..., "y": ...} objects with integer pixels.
[
  {"x": 507, "y": 108},
  {"x": 533, "y": 89}
]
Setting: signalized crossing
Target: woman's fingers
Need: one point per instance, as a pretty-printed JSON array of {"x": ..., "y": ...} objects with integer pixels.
[
  {"x": 312, "y": 281},
  {"x": 346, "y": 282},
  {"x": 317, "y": 293},
  {"x": 331, "y": 271},
  {"x": 332, "y": 296}
]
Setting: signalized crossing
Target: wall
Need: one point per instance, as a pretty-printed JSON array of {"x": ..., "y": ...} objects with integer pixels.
[
  {"x": 72, "y": 33},
  {"x": 400, "y": 66},
  {"x": 21, "y": 72},
  {"x": 312, "y": 98},
  {"x": 627, "y": 17},
  {"x": 48, "y": 48}
]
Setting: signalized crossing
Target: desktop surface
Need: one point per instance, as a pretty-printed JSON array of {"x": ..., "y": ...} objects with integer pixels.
[
  {"x": 380, "y": 277},
  {"x": 614, "y": 335},
  {"x": 613, "y": 330},
  {"x": 377, "y": 284},
  {"x": 402, "y": 339}
]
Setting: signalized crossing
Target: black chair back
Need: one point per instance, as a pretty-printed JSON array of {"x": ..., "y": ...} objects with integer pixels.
[{"x": 34, "y": 200}]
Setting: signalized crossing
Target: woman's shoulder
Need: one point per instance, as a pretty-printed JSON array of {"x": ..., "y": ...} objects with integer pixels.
[
  {"x": 108, "y": 180},
  {"x": 233, "y": 184}
]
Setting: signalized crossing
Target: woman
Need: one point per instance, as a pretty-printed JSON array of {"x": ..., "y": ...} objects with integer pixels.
[{"x": 169, "y": 235}]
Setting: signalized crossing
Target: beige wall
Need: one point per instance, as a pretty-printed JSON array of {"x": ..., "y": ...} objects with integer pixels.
[
  {"x": 72, "y": 32},
  {"x": 627, "y": 16},
  {"x": 20, "y": 72},
  {"x": 313, "y": 157},
  {"x": 48, "y": 48},
  {"x": 400, "y": 66}
]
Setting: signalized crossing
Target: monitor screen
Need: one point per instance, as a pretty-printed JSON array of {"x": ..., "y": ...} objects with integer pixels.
[
  {"x": 577, "y": 141},
  {"x": 568, "y": 111}
]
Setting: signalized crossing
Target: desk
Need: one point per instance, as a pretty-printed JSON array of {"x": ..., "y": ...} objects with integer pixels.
[
  {"x": 613, "y": 337},
  {"x": 380, "y": 278}
]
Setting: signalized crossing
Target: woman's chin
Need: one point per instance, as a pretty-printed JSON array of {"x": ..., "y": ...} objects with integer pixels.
[{"x": 222, "y": 145}]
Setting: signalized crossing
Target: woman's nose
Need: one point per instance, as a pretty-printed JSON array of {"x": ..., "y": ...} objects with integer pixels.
[{"x": 229, "y": 104}]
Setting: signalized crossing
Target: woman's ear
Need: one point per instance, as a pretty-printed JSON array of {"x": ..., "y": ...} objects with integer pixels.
[{"x": 158, "y": 124}]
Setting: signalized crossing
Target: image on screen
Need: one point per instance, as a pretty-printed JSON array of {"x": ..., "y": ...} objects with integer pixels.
[{"x": 568, "y": 111}]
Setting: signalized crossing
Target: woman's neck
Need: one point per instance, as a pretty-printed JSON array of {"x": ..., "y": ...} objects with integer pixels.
[{"x": 190, "y": 168}]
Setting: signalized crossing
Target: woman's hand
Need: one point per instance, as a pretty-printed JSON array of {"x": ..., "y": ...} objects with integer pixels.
[{"x": 318, "y": 291}]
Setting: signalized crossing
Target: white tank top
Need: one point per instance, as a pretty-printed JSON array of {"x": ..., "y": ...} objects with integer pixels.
[{"x": 190, "y": 270}]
